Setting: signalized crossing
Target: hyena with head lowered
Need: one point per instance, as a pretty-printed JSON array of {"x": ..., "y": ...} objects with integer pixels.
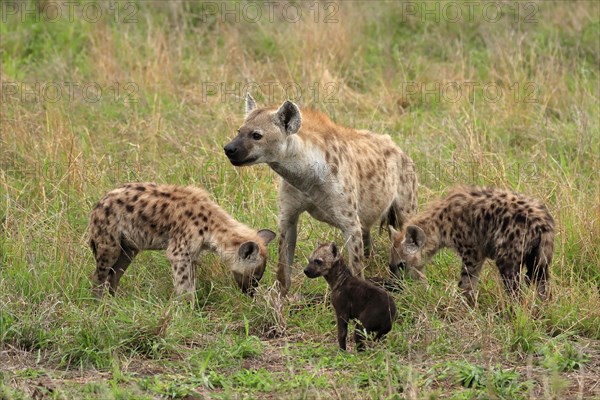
[
  {"x": 480, "y": 223},
  {"x": 182, "y": 220},
  {"x": 348, "y": 178}
]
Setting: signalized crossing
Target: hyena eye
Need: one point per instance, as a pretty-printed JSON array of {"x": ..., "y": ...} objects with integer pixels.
[{"x": 256, "y": 135}]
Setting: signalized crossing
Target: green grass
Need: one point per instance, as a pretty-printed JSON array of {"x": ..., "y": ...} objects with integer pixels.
[{"x": 57, "y": 158}]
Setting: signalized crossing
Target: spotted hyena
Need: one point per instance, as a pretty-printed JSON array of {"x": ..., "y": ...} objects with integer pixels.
[
  {"x": 182, "y": 220},
  {"x": 352, "y": 297},
  {"x": 480, "y": 223},
  {"x": 348, "y": 178}
]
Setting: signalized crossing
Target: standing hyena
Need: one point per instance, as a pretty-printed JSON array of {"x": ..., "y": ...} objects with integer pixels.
[
  {"x": 348, "y": 178},
  {"x": 180, "y": 219},
  {"x": 480, "y": 223}
]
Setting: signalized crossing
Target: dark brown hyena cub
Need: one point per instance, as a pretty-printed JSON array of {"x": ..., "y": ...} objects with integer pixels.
[
  {"x": 184, "y": 221},
  {"x": 352, "y": 297}
]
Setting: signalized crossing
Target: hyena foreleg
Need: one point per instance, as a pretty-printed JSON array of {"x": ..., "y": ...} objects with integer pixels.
[
  {"x": 469, "y": 278},
  {"x": 354, "y": 244},
  {"x": 118, "y": 269},
  {"x": 184, "y": 270},
  {"x": 290, "y": 211},
  {"x": 287, "y": 246},
  {"x": 107, "y": 253}
]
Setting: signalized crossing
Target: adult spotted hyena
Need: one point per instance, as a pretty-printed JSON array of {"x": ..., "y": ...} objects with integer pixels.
[
  {"x": 480, "y": 223},
  {"x": 345, "y": 177},
  {"x": 182, "y": 220}
]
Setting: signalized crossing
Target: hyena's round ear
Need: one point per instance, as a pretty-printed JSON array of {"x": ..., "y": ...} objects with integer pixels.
[
  {"x": 250, "y": 104},
  {"x": 290, "y": 118},
  {"x": 415, "y": 238},
  {"x": 266, "y": 235},
  {"x": 334, "y": 250},
  {"x": 248, "y": 250}
]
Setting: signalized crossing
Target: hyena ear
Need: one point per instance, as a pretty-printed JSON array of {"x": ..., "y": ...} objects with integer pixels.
[
  {"x": 334, "y": 250},
  {"x": 414, "y": 239},
  {"x": 248, "y": 250},
  {"x": 266, "y": 235},
  {"x": 290, "y": 118},
  {"x": 250, "y": 104}
]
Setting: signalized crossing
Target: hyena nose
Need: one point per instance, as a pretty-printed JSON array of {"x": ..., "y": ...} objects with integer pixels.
[{"x": 230, "y": 149}]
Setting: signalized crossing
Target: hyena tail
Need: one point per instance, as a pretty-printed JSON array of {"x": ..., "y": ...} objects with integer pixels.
[
  {"x": 93, "y": 246},
  {"x": 538, "y": 263},
  {"x": 392, "y": 217}
]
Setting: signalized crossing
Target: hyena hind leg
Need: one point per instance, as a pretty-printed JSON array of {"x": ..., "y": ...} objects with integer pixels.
[
  {"x": 510, "y": 272},
  {"x": 537, "y": 273},
  {"x": 359, "y": 336}
]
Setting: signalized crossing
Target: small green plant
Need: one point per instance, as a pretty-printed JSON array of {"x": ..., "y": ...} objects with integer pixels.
[
  {"x": 526, "y": 332},
  {"x": 259, "y": 379},
  {"x": 512, "y": 103},
  {"x": 246, "y": 347},
  {"x": 502, "y": 383},
  {"x": 563, "y": 357},
  {"x": 469, "y": 375},
  {"x": 171, "y": 387}
]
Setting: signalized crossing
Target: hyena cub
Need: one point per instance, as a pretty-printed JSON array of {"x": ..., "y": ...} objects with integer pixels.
[
  {"x": 181, "y": 220},
  {"x": 480, "y": 223},
  {"x": 352, "y": 297}
]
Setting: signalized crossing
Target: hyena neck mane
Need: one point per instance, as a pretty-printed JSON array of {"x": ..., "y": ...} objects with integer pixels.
[
  {"x": 338, "y": 274},
  {"x": 227, "y": 235},
  {"x": 302, "y": 164}
]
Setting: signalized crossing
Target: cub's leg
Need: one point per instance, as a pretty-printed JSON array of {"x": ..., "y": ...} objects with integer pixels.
[{"x": 469, "y": 274}]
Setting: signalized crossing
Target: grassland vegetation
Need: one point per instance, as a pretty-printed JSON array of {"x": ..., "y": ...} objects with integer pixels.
[{"x": 511, "y": 103}]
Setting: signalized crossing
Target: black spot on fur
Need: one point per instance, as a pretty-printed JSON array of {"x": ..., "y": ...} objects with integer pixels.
[
  {"x": 505, "y": 222},
  {"x": 129, "y": 208}
]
